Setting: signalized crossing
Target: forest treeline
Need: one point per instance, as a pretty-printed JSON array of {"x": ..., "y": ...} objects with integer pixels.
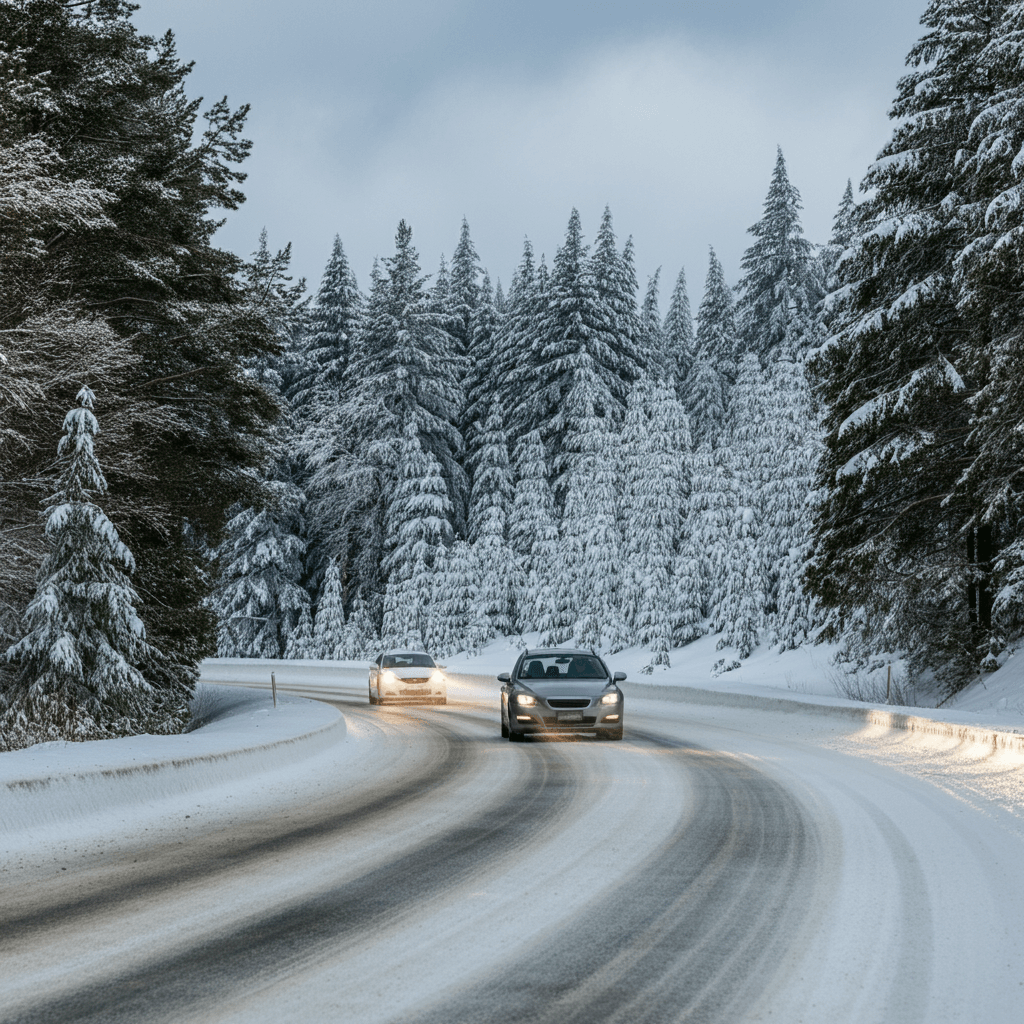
[{"x": 198, "y": 457}]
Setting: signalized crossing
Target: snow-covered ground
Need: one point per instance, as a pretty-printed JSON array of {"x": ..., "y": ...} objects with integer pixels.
[
  {"x": 56, "y": 794},
  {"x": 995, "y": 701}
]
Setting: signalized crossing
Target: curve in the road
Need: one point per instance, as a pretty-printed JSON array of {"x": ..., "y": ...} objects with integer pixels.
[
  {"x": 171, "y": 988},
  {"x": 694, "y": 936}
]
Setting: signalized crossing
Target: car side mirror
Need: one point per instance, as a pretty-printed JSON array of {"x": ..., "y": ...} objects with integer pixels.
[
  {"x": 619, "y": 677},
  {"x": 503, "y": 677}
]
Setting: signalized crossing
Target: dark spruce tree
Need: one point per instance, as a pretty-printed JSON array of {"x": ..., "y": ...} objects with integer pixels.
[
  {"x": 191, "y": 424},
  {"x": 989, "y": 279},
  {"x": 897, "y": 555}
]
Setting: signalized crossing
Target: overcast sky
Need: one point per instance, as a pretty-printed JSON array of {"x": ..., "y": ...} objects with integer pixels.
[{"x": 510, "y": 114}]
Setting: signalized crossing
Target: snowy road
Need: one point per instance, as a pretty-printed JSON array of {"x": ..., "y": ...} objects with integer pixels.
[{"x": 717, "y": 866}]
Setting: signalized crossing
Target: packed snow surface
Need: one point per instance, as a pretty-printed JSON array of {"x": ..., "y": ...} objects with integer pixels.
[{"x": 745, "y": 864}]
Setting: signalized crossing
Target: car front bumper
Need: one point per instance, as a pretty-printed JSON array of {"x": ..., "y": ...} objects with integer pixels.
[{"x": 600, "y": 718}]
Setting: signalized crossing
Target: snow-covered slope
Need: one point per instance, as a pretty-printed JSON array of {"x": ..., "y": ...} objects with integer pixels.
[{"x": 805, "y": 675}]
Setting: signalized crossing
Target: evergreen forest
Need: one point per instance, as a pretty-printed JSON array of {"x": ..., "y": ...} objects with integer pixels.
[{"x": 200, "y": 457}]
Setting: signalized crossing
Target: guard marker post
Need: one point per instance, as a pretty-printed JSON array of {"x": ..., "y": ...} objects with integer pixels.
[{"x": 273, "y": 688}]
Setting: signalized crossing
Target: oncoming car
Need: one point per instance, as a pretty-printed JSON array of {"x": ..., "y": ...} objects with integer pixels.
[
  {"x": 561, "y": 691},
  {"x": 407, "y": 677}
]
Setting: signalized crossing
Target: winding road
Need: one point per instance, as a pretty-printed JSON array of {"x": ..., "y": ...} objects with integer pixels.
[{"x": 717, "y": 866}]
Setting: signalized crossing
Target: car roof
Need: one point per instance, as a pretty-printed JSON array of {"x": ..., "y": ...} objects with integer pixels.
[
  {"x": 405, "y": 650},
  {"x": 542, "y": 652}
]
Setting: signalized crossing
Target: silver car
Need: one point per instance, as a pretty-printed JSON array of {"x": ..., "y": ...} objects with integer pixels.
[
  {"x": 561, "y": 691},
  {"x": 407, "y": 677}
]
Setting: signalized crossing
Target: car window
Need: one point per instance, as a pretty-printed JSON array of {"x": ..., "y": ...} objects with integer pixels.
[
  {"x": 408, "y": 661},
  {"x": 561, "y": 666}
]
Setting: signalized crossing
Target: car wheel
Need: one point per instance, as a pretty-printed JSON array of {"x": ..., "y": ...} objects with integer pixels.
[
  {"x": 373, "y": 700},
  {"x": 504, "y": 729},
  {"x": 610, "y": 734},
  {"x": 516, "y": 737}
]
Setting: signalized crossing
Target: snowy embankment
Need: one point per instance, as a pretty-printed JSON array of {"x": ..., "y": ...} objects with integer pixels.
[
  {"x": 989, "y": 713},
  {"x": 53, "y": 785}
]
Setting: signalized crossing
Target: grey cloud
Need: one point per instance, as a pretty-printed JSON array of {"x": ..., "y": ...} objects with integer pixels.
[{"x": 360, "y": 117}]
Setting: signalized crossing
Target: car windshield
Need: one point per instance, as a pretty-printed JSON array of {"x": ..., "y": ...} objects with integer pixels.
[
  {"x": 561, "y": 666},
  {"x": 407, "y": 661}
]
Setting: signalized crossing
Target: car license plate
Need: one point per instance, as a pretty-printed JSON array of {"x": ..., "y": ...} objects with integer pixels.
[{"x": 570, "y": 716}]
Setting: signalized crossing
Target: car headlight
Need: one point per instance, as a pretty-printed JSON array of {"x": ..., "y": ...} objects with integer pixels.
[
  {"x": 388, "y": 676},
  {"x": 610, "y": 698},
  {"x": 437, "y": 677},
  {"x": 524, "y": 700}
]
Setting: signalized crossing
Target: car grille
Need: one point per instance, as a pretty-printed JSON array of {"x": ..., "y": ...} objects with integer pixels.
[
  {"x": 554, "y": 723},
  {"x": 566, "y": 702}
]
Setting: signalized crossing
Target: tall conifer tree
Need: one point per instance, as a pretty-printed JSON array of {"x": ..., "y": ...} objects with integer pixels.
[{"x": 780, "y": 289}]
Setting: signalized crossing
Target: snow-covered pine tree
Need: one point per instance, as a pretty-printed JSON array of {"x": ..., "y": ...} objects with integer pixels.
[
  {"x": 589, "y": 580},
  {"x": 52, "y": 344},
  {"x": 701, "y": 545},
  {"x": 844, "y": 229},
  {"x": 458, "y": 622},
  {"x": 333, "y": 325},
  {"x": 711, "y": 535},
  {"x": 705, "y": 391},
  {"x": 679, "y": 340},
  {"x": 654, "y": 450},
  {"x": 360, "y": 636},
  {"x": 300, "y": 639},
  {"x": 513, "y": 355},
  {"x": 272, "y": 297},
  {"x": 717, "y": 338},
  {"x": 740, "y": 612},
  {"x": 418, "y": 525},
  {"x": 894, "y": 539},
  {"x": 652, "y": 337},
  {"x": 464, "y": 293},
  {"x": 351, "y": 456},
  {"x": 780, "y": 289},
  {"x": 614, "y": 276},
  {"x": 440, "y": 293},
  {"x": 78, "y": 667},
  {"x": 408, "y": 374},
  {"x": 533, "y": 535},
  {"x": 145, "y": 304},
  {"x": 330, "y": 639},
  {"x": 786, "y": 502},
  {"x": 489, "y": 509},
  {"x": 259, "y": 597},
  {"x": 482, "y": 384},
  {"x": 574, "y": 350},
  {"x": 989, "y": 280}
]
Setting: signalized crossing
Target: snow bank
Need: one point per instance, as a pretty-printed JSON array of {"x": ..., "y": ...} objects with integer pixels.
[
  {"x": 244, "y": 735},
  {"x": 989, "y": 714}
]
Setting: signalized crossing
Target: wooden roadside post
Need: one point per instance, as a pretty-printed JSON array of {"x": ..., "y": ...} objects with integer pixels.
[{"x": 273, "y": 687}]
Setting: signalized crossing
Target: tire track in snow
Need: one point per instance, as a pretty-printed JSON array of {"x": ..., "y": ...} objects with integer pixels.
[
  {"x": 179, "y": 986},
  {"x": 696, "y": 935},
  {"x": 231, "y": 850}
]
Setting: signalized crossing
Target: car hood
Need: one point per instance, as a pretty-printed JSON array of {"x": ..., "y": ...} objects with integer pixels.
[{"x": 571, "y": 688}]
